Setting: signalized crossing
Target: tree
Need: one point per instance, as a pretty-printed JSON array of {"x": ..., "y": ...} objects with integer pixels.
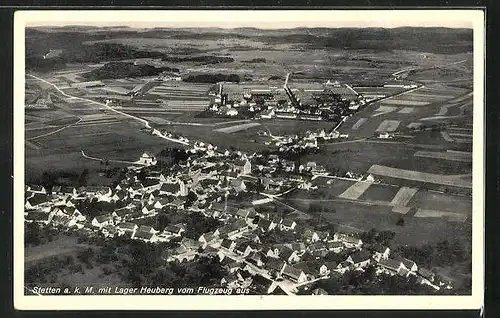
[
  {"x": 82, "y": 180},
  {"x": 400, "y": 222}
]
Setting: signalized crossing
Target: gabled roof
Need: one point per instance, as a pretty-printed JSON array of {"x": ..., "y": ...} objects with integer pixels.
[
  {"x": 292, "y": 271},
  {"x": 36, "y": 187},
  {"x": 285, "y": 252},
  {"x": 218, "y": 206},
  {"x": 38, "y": 199},
  {"x": 360, "y": 256},
  {"x": 334, "y": 244},
  {"x": 288, "y": 222},
  {"x": 143, "y": 235},
  {"x": 172, "y": 228},
  {"x": 226, "y": 243},
  {"x": 274, "y": 263},
  {"x": 391, "y": 264},
  {"x": 240, "y": 162},
  {"x": 145, "y": 228},
  {"x": 170, "y": 187},
  {"x": 127, "y": 226},
  {"x": 103, "y": 218},
  {"x": 238, "y": 224},
  {"x": 37, "y": 216},
  {"x": 379, "y": 248},
  {"x": 408, "y": 263},
  {"x": 263, "y": 223},
  {"x": 123, "y": 212}
]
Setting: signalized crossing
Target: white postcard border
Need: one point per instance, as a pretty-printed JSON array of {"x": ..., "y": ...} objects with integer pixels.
[{"x": 109, "y": 302}]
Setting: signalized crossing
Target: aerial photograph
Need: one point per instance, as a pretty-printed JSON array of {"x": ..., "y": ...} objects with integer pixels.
[{"x": 247, "y": 160}]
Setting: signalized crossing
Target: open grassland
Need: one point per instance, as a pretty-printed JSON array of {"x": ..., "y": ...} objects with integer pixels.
[
  {"x": 349, "y": 216},
  {"x": 442, "y": 202},
  {"x": 448, "y": 155},
  {"x": 379, "y": 193}
]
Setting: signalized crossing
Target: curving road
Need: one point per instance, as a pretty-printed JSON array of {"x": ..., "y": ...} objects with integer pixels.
[{"x": 143, "y": 121}]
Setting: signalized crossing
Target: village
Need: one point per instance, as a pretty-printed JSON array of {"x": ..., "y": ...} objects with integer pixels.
[{"x": 237, "y": 190}]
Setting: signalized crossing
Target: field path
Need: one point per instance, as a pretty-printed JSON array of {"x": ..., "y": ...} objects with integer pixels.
[
  {"x": 56, "y": 131},
  {"x": 110, "y": 160},
  {"x": 145, "y": 122}
]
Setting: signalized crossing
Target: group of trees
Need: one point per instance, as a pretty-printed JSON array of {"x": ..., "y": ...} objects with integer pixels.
[
  {"x": 212, "y": 78},
  {"x": 114, "y": 70},
  {"x": 382, "y": 237},
  {"x": 443, "y": 253},
  {"x": 368, "y": 283},
  {"x": 36, "y": 235},
  {"x": 205, "y": 59}
]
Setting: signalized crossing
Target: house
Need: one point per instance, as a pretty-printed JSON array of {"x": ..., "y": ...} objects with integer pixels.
[
  {"x": 344, "y": 267},
  {"x": 145, "y": 228},
  {"x": 427, "y": 274},
  {"x": 247, "y": 214},
  {"x": 274, "y": 266},
  {"x": 121, "y": 213},
  {"x": 231, "y": 280},
  {"x": 228, "y": 244},
  {"x": 243, "y": 166},
  {"x": 350, "y": 241},
  {"x": 101, "y": 221},
  {"x": 145, "y": 236},
  {"x": 238, "y": 185},
  {"x": 161, "y": 203},
  {"x": 244, "y": 249},
  {"x": 75, "y": 214},
  {"x": 126, "y": 227},
  {"x": 335, "y": 246},
  {"x": 174, "y": 230},
  {"x": 287, "y": 225},
  {"x": 250, "y": 236},
  {"x": 101, "y": 192},
  {"x": 380, "y": 252},
  {"x": 391, "y": 266},
  {"x": 119, "y": 195},
  {"x": 207, "y": 238},
  {"x": 319, "y": 292},
  {"x": 298, "y": 247},
  {"x": 174, "y": 188},
  {"x": 294, "y": 274},
  {"x": 360, "y": 259},
  {"x": 310, "y": 236},
  {"x": 64, "y": 190},
  {"x": 148, "y": 209},
  {"x": 288, "y": 255},
  {"x": 190, "y": 244},
  {"x": 410, "y": 265},
  {"x": 257, "y": 258},
  {"x": 38, "y": 217},
  {"x": 265, "y": 225},
  {"x": 36, "y": 201},
  {"x": 37, "y": 189},
  {"x": 147, "y": 160},
  {"x": 110, "y": 231}
]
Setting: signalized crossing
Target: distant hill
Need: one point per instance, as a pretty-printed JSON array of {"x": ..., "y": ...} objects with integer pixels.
[{"x": 432, "y": 40}]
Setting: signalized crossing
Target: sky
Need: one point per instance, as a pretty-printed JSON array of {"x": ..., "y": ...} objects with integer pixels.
[{"x": 258, "y": 19}]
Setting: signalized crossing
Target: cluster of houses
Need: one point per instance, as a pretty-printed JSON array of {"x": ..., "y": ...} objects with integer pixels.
[
  {"x": 310, "y": 140},
  {"x": 202, "y": 184}
]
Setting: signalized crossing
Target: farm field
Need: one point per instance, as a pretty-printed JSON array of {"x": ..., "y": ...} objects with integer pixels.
[{"x": 447, "y": 180}]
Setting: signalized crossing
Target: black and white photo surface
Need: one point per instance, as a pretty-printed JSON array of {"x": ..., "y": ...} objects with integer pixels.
[{"x": 249, "y": 155}]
